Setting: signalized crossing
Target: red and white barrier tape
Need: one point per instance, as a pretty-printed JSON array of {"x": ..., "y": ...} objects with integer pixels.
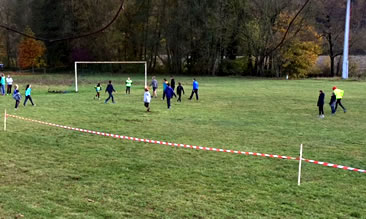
[{"x": 189, "y": 146}]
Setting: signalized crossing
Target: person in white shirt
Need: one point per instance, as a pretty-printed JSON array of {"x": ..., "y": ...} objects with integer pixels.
[
  {"x": 9, "y": 82},
  {"x": 147, "y": 99}
]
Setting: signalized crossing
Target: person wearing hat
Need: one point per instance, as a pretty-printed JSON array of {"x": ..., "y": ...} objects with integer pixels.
[
  {"x": 320, "y": 104},
  {"x": 339, "y": 95}
]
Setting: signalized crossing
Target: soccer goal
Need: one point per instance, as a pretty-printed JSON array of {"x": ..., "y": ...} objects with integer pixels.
[{"x": 108, "y": 62}]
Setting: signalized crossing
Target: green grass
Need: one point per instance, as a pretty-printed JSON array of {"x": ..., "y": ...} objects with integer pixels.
[{"x": 50, "y": 172}]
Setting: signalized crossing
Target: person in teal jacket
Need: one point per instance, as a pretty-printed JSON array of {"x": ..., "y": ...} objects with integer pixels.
[
  {"x": 28, "y": 90},
  {"x": 165, "y": 82},
  {"x": 2, "y": 84}
]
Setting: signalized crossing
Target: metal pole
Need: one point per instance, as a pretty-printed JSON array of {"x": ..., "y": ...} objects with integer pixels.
[
  {"x": 346, "y": 41},
  {"x": 5, "y": 120},
  {"x": 145, "y": 74},
  {"x": 300, "y": 159},
  {"x": 76, "y": 77}
]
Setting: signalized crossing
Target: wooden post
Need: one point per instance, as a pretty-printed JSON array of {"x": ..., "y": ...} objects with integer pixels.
[
  {"x": 300, "y": 159},
  {"x": 5, "y": 120}
]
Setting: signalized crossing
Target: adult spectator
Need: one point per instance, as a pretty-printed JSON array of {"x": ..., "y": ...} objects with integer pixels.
[
  {"x": 9, "y": 82},
  {"x": 339, "y": 95},
  {"x": 2, "y": 84}
]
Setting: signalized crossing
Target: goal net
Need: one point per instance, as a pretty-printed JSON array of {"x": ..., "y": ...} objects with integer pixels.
[{"x": 110, "y": 67}]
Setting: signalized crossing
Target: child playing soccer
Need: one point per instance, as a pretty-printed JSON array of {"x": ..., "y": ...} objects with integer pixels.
[
  {"x": 332, "y": 103},
  {"x": 321, "y": 104},
  {"x": 180, "y": 89},
  {"x": 128, "y": 85},
  {"x": 28, "y": 90},
  {"x": 147, "y": 99},
  {"x": 98, "y": 88},
  {"x": 154, "y": 84},
  {"x": 16, "y": 96},
  {"x": 110, "y": 91},
  {"x": 169, "y": 92}
]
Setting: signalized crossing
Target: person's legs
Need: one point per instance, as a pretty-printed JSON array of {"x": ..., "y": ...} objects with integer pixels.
[
  {"x": 17, "y": 104},
  {"x": 340, "y": 104},
  {"x": 332, "y": 107},
  {"x": 30, "y": 99},
  {"x": 109, "y": 97},
  {"x": 26, "y": 99},
  {"x": 2, "y": 90},
  {"x": 112, "y": 98},
  {"x": 321, "y": 111},
  {"x": 196, "y": 91},
  {"x": 191, "y": 95},
  {"x": 168, "y": 102},
  {"x": 179, "y": 98},
  {"x": 163, "y": 94},
  {"x": 9, "y": 89}
]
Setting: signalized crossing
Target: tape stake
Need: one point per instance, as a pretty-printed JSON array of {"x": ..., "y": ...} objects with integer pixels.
[
  {"x": 300, "y": 159},
  {"x": 5, "y": 120}
]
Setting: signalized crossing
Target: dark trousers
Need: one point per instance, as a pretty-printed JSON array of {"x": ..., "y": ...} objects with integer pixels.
[
  {"x": 98, "y": 95},
  {"x": 163, "y": 94},
  {"x": 195, "y": 91},
  {"x": 321, "y": 110},
  {"x": 110, "y": 96},
  {"x": 28, "y": 98},
  {"x": 9, "y": 89},
  {"x": 340, "y": 104},
  {"x": 179, "y": 98},
  {"x": 128, "y": 90},
  {"x": 168, "y": 102},
  {"x": 17, "y": 104}
]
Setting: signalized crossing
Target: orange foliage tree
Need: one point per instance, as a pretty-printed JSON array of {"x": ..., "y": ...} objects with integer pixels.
[{"x": 31, "y": 52}]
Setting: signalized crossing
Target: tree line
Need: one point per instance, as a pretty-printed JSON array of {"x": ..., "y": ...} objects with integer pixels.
[{"x": 206, "y": 37}]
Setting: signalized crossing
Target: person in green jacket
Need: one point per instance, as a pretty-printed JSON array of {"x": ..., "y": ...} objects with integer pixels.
[
  {"x": 128, "y": 85},
  {"x": 339, "y": 95}
]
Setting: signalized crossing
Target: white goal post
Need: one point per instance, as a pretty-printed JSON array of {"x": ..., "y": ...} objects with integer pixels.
[{"x": 107, "y": 62}]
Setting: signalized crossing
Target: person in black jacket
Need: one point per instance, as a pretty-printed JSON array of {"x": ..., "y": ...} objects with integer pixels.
[
  {"x": 321, "y": 104},
  {"x": 172, "y": 82},
  {"x": 180, "y": 89},
  {"x": 110, "y": 90}
]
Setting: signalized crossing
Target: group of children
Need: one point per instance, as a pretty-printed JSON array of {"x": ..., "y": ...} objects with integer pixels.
[
  {"x": 335, "y": 100},
  {"x": 6, "y": 81},
  {"x": 168, "y": 91},
  {"x": 16, "y": 94}
]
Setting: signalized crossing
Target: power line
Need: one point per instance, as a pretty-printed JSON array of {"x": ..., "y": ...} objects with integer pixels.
[{"x": 71, "y": 37}]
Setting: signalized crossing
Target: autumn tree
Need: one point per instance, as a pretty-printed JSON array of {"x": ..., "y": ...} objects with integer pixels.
[{"x": 31, "y": 52}]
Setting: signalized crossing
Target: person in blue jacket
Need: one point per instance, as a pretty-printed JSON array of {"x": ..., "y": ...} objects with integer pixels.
[
  {"x": 16, "y": 96},
  {"x": 169, "y": 92},
  {"x": 28, "y": 90},
  {"x": 195, "y": 89},
  {"x": 110, "y": 91}
]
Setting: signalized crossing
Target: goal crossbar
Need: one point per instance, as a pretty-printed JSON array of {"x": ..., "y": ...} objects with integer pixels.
[{"x": 107, "y": 62}]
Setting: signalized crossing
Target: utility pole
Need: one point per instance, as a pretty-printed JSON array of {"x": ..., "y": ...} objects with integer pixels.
[{"x": 346, "y": 41}]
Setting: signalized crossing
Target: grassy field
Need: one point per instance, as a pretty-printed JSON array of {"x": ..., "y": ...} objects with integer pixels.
[{"x": 49, "y": 172}]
